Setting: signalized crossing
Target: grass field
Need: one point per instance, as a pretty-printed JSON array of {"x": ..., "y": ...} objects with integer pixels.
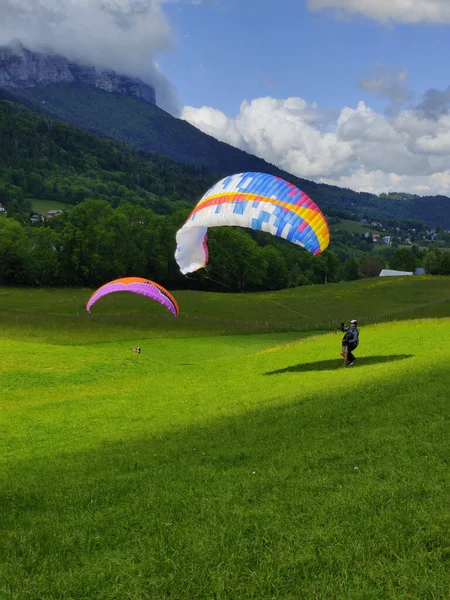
[
  {"x": 41, "y": 206},
  {"x": 353, "y": 227},
  {"x": 247, "y": 465},
  {"x": 59, "y": 316}
]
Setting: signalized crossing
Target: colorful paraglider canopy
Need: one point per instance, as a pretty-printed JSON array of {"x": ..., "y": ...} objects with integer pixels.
[
  {"x": 136, "y": 285},
  {"x": 258, "y": 201}
]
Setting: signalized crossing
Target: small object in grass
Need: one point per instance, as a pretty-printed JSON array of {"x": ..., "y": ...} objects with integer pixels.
[{"x": 137, "y": 350}]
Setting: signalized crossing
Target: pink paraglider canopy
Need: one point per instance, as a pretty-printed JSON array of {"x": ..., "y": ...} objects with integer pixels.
[{"x": 136, "y": 285}]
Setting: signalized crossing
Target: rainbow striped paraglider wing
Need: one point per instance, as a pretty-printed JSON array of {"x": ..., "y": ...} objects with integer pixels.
[
  {"x": 257, "y": 201},
  {"x": 136, "y": 285}
]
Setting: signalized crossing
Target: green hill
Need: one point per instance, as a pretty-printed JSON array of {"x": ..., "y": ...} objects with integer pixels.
[
  {"x": 59, "y": 316},
  {"x": 127, "y": 206},
  {"x": 146, "y": 126},
  {"x": 211, "y": 466},
  {"x": 62, "y": 163}
]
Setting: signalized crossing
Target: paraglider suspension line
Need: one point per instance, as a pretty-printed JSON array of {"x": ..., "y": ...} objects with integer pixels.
[
  {"x": 286, "y": 307},
  {"x": 218, "y": 282},
  {"x": 210, "y": 279}
]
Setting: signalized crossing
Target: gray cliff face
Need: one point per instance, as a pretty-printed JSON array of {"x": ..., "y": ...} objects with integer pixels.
[{"x": 20, "y": 68}]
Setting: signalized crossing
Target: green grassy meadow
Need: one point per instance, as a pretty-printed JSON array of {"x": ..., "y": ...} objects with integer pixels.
[
  {"x": 353, "y": 227},
  {"x": 59, "y": 316},
  {"x": 235, "y": 457},
  {"x": 41, "y": 206}
]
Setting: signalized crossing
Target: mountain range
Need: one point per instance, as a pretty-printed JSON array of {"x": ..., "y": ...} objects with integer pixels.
[{"x": 124, "y": 108}]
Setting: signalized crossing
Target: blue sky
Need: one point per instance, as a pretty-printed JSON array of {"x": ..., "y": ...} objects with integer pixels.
[
  {"x": 253, "y": 48},
  {"x": 337, "y": 98}
]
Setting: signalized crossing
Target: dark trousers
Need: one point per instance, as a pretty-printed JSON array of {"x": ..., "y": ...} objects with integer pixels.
[{"x": 350, "y": 357}]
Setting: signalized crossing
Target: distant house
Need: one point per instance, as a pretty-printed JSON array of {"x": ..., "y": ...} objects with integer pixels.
[
  {"x": 50, "y": 214},
  {"x": 2, "y": 210},
  {"x": 419, "y": 271},
  {"x": 376, "y": 237},
  {"x": 387, "y": 239},
  {"x": 392, "y": 273}
]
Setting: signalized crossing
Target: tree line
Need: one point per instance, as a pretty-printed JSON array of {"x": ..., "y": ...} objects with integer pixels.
[{"x": 94, "y": 243}]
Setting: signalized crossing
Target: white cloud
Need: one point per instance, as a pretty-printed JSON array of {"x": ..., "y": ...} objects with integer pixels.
[
  {"x": 387, "y": 82},
  {"x": 403, "y": 11},
  {"x": 124, "y": 35},
  {"x": 361, "y": 149},
  {"x": 215, "y": 123}
]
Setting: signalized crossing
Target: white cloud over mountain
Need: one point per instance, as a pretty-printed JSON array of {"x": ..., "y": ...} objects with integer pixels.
[
  {"x": 402, "y": 11},
  {"x": 124, "y": 35},
  {"x": 359, "y": 148}
]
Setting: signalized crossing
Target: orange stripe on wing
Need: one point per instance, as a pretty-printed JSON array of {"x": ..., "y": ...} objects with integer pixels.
[{"x": 128, "y": 280}]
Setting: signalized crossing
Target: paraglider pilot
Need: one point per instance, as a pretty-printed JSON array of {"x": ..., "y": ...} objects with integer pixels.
[{"x": 349, "y": 342}]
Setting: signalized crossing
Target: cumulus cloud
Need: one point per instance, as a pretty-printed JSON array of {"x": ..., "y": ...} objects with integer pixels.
[
  {"x": 387, "y": 82},
  {"x": 124, "y": 35},
  {"x": 436, "y": 102},
  {"x": 362, "y": 149},
  {"x": 402, "y": 11}
]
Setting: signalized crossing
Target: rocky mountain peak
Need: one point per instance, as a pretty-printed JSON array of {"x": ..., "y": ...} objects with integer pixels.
[{"x": 21, "y": 68}]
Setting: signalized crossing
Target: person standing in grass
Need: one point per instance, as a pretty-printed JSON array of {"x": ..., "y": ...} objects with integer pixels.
[{"x": 350, "y": 341}]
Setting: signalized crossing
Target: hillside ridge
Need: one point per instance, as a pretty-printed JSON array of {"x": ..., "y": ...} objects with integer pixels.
[{"x": 109, "y": 106}]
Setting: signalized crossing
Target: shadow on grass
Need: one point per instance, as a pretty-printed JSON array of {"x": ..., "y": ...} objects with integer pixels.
[{"x": 336, "y": 363}]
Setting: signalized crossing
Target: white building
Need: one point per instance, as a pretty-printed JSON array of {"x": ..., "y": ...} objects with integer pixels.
[{"x": 392, "y": 273}]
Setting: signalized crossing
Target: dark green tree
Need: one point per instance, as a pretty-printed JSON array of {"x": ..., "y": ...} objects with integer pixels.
[
  {"x": 350, "y": 270},
  {"x": 276, "y": 272},
  {"x": 444, "y": 264},
  {"x": 432, "y": 262},
  {"x": 236, "y": 259},
  {"x": 403, "y": 260},
  {"x": 14, "y": 249},
  {"x": 370, "y": 267},
  {"x": 42, "y": 265}
]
